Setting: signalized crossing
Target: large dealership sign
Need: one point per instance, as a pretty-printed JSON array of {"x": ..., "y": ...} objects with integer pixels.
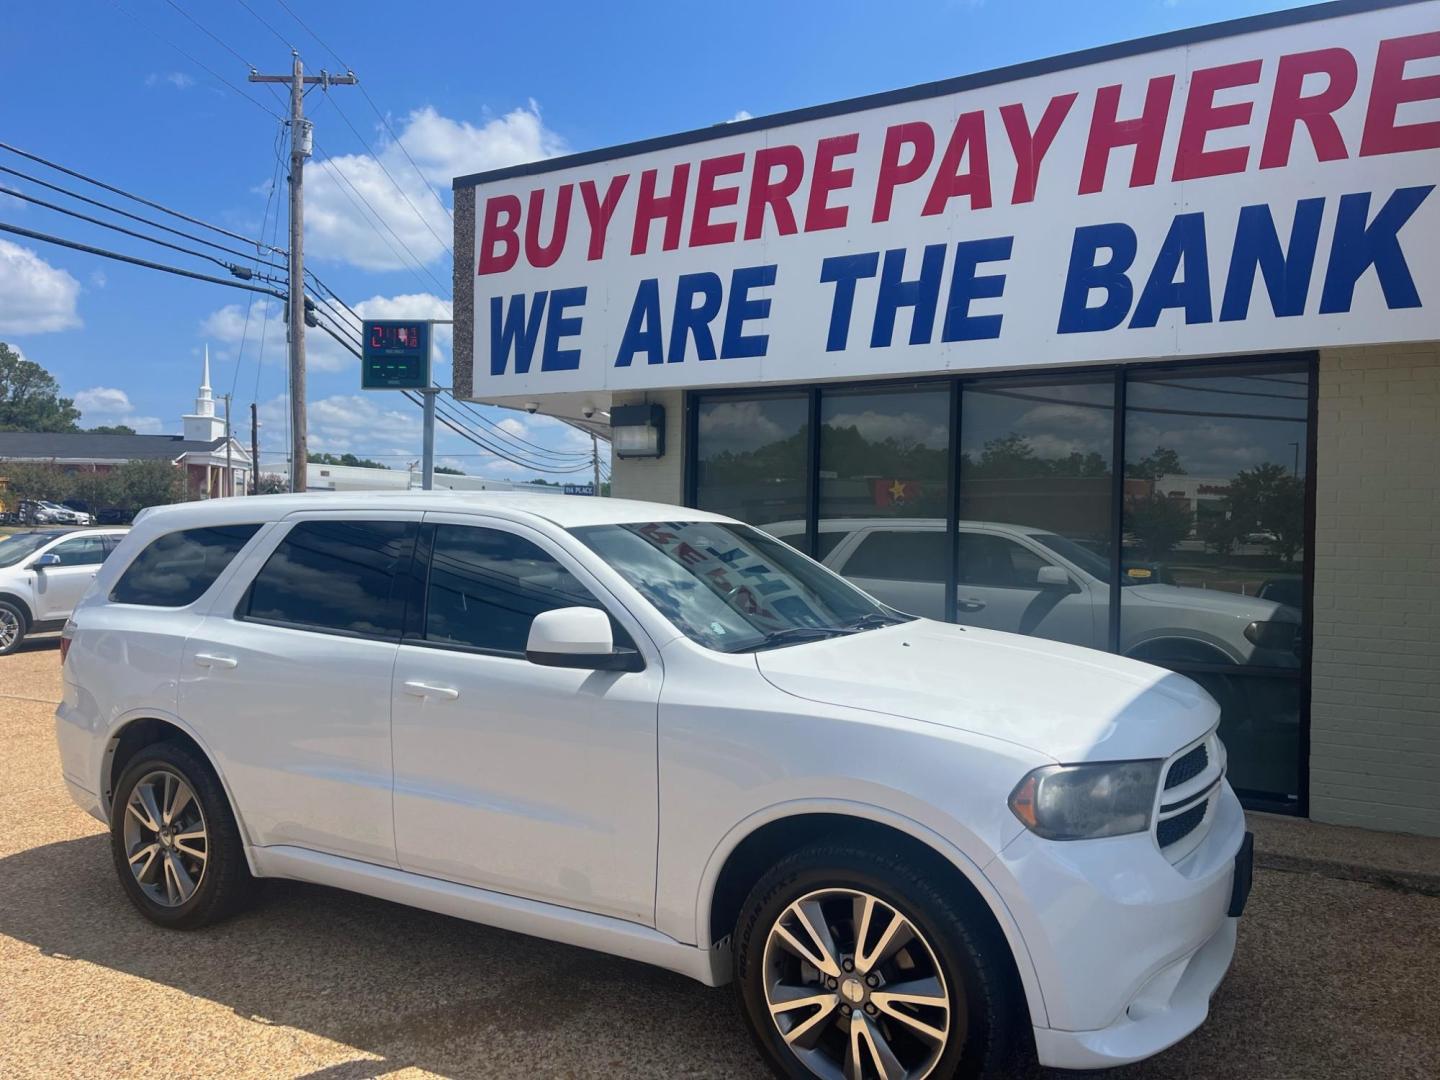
[{"x": 1247, "y": 191}]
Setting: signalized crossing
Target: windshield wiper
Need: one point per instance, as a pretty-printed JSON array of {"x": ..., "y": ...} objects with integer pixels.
[
  {"x": 876, "y": 619},
  {"x": 795, "y": 635}
]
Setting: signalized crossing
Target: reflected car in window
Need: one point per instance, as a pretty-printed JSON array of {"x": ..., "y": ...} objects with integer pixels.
[{"x": 1033, "y": 581}]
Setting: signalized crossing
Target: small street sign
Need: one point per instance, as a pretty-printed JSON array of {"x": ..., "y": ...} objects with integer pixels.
[{"x": 579, "y": 489}]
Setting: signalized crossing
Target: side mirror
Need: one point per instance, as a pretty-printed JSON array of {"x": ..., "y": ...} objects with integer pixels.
[
  {"x": 42, "y": 561},
  {"x": 578, "y": 637},
  {"x": 1052, "y": 577}
]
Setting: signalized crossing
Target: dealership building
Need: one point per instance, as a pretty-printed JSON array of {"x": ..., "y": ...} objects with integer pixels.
[{"x": 1136, "y": 348}]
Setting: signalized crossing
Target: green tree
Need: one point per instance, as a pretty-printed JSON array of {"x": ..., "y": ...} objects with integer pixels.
[
  {"x": 1270, "y": 499},
  {"x": 139, "y": 484},
  {"x": 271, "y": 484},
  {"x": 447, "y": 471},
  {"x": 1157, "y": 523},
  {"x": 111, "y": 429},
  {"x": 1162, "y": 461},
  {"x": 30, "y": 397},
  {"x": 36, "y": 480}
]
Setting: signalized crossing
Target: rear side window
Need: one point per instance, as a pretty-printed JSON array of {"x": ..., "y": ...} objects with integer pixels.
[
  {"x": 336, "y": 576},
  {"x": 81, "y": 551},
  {"x": 178, "y": 567},
  {"x": 900, "y": 555}
]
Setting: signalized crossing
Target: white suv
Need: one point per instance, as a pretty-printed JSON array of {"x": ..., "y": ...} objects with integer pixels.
[
  {"x": 43, "y": 575},
  {"x": 918, "y": 849}
]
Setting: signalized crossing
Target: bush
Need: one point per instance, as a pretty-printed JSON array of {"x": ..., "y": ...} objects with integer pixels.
[{"x": 127, "y": 488}]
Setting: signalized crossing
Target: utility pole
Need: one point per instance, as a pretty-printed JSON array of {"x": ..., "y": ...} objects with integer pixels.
[
  {"x": 228, "y": 488},
  {"x": 300, "y": 143},
  {"x": 595, "y": 461},
  {"x": 427, "y": 449},
  {"x": 254, "y": 451}
]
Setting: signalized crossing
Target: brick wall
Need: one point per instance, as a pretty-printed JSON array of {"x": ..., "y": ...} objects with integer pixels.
[
  {"x": 1375, "y": 710},
  {"x": 659, "y": 479}
]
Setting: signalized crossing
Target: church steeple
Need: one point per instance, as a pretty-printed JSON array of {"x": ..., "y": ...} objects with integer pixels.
[{"x": 203, "y": 425}]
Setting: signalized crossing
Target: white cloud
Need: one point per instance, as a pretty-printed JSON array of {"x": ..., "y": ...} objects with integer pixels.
[
  {"x": 178, "y": 79},
  {"x": 743, "y": 114},
  {"x": 35, "y": 297},
  {"x": 109, "y": 405},
  {"x": 337, "y": 224},
  {"x": 98, "y": 279}
]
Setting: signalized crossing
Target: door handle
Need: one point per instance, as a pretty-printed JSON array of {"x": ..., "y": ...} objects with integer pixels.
[
  {"x": 211, "y": 660},
  {"x": 970, "y": 603},
  {"x": 424, "y": 690}
]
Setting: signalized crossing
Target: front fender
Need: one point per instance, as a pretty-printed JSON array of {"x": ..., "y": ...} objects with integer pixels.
[{"x": 973, "y": 872}]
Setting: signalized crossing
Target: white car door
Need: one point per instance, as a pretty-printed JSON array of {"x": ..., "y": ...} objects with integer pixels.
[
  {"x": 998, "y": 587},
  {"x": 59, "y": 588},
  {"x": 288, "y": 678},
  {"x": 534, "y": 781},
  {"x": 902, "y": 566}
]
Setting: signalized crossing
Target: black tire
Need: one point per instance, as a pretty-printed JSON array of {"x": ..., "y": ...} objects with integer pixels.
[
  {"x": 9, "y": 611},
  {"x": 225, "y": 884},
  {"x": 989, "y": 1033}
]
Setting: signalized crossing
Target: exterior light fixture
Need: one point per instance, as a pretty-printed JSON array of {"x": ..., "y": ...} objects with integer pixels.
[{"x": 638, "y": 431}]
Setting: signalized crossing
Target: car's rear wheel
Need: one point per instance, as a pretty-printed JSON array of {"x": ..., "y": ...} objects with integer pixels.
[
  {"x": 174, "y": 841},
  {"x": 12, "y": 627},
  {"x": 851, "y": 964}
]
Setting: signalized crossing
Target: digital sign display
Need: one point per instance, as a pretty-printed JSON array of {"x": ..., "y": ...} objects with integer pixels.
[{"x": 396, "y": 355}]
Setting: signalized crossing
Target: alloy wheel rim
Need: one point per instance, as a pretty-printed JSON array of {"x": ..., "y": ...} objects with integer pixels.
[
  {"x": 9, "y": 628},
  {"x": 854, "y": 989},
  {"x": 166, "y": 841}
]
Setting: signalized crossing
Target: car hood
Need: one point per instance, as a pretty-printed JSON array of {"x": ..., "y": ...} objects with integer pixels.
[
  {"x": 1068, "y": 703},
  {"x": 1216, "y": 601}
]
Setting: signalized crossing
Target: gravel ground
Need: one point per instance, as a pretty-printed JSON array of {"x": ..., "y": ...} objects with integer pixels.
[{"x": 1334, "y": 979}]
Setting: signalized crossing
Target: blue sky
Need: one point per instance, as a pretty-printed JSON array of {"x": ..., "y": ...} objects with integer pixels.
[{"x": 100, "y": 86}]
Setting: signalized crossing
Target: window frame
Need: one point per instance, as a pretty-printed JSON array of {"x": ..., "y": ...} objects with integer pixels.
[{"x": 418, "y": 597}]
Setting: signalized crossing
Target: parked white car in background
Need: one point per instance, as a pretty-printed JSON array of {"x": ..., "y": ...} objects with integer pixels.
[
  {"x": 43, "y": 575},
  {"x": 1034, "y": 581},
  {"x": 918, "y": 849}
]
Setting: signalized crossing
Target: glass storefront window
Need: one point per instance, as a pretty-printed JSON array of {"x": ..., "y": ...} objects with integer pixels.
[
  {"x": 751, "y": 460},
  {"x": 1214, "y": 515},
  {"x": 1035, "y": 519},
  {"x": 1212, "y": 505},
  {"x": 884, "y": 456}
]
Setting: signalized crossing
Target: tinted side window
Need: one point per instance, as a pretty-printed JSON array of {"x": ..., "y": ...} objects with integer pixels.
[
  {"x": 996, "y": 561},
  {"x": 81, "y": 551},
  {"x": 339, "y": 576},
  {"x": 900, "y": 555},
  {"x": 486, "y": 586},
  {"x": 178, "y": 567}
]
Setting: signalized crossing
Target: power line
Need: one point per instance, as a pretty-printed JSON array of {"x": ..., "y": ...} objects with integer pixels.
[
  {"x": 393, "y": 182},
  {"x": 204, "y": 67},
  {"x": 238, "y": 271},
  {"x": 135, "y": 217},
  {"x": 329, "y": 164},
  {"x": 46, "y": 238},
  {"x": 373, "y": 108},
  {"x": 250, "y": 307},
  {"x": 202, "y": 28},
  {"x": 135, "y": 198},
  {"x": 266, "y": 23}
]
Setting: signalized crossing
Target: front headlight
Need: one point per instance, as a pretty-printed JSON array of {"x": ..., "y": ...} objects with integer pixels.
[{"x": 1084, "y": 802}]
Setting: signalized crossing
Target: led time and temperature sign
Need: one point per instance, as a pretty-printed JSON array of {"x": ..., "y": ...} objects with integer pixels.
[{"x": 396, "y": 355}]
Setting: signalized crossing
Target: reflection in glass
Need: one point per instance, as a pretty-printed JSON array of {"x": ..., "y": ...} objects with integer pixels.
[
  {"x": 1215, "y": 510},
  {"x": 750, "y": 458},
  {"x": 1260, "y": 727}
]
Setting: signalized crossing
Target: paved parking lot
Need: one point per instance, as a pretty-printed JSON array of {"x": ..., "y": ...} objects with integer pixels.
[{"x": 1334, "y": 978}]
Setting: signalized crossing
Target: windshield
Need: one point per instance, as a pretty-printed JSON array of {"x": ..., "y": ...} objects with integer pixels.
[
  {"x": 733, "y": 588},
  {"x": 14, "y": 549}
]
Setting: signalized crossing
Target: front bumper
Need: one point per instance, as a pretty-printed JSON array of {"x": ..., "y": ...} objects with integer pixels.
[{"x": 1126, "y": 947}]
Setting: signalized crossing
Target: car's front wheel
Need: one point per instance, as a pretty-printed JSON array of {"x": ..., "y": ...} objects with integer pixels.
[
  {"x": 851, "y": 965},
  {"x": 12, "y": 627},
  {"x": 176, "y": 847}
]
